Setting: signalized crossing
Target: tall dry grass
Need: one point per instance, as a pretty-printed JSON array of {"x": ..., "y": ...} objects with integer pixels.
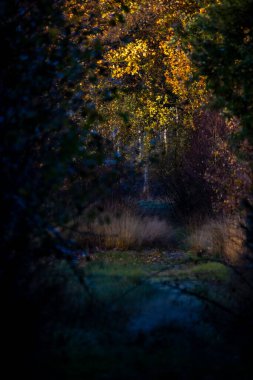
[
  {"x": 120, "y": 227},
  {"x": 222, "y": 238}
]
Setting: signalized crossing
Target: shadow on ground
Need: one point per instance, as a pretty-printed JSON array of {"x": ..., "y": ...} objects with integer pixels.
[{"x": 129, "y": 315}]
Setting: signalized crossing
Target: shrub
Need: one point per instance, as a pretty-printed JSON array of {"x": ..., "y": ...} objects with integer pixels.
[
  {"x": 122, "y": 228},
  {"x": 222, "y": 238},
  {"x": 203, "y": 175}
]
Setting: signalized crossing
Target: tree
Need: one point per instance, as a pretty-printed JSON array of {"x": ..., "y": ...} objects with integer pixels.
[
  {"x": 153, "y": 100},
  {"x": 43, "y": 139},
  {"x": 48, "y": 156},
  {"x": 222, "y": 40},
  {"x": 159, "y": 100}
]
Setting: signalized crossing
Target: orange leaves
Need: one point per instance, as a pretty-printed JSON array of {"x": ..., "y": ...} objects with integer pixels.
[
  {"x": 145, "y": 55},
  {"x": 179, "y": 68},
  {"x": 161, "y": 48}
]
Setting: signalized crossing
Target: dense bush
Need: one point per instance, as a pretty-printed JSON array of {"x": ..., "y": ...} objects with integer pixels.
[{"x": 205, "y": 177}]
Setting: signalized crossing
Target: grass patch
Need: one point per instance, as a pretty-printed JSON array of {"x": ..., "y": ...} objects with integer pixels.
[
  {"x": 122, "y": 227},
  {"x": 211, "y": 271},
  {"x": 134, "y": 265},
  {"x": 132, "y": 278},
  {"x": 217, "y": 238}
]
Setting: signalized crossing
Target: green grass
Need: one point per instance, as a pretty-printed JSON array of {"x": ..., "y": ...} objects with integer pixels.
[
  {"x": 212, "y": 271},
  {"x": 135, "y": 264}
]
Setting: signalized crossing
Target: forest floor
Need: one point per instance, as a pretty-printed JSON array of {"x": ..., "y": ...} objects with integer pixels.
[{"x": 154, "y": 315}]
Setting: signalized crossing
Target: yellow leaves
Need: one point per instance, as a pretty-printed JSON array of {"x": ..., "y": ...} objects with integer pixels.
[
  {"x": 153, "y": 64},
  {"x": 127, "y": 60},
  {"x": 74, "y": 7},
  {"x": 180, "y": 72},
  {"x": 233, "y": 125},
  {"x": 159, "y": 61},
  {"x": 112, "y": 7},
  {"x": 202, "y": 10}
]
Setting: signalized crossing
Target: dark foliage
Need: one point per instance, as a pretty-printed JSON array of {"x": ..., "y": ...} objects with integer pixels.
[
  {"x": 48, "y": 156},
  {"x": 42, "y": 142},
  {"x": 223, "y": 40}
]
